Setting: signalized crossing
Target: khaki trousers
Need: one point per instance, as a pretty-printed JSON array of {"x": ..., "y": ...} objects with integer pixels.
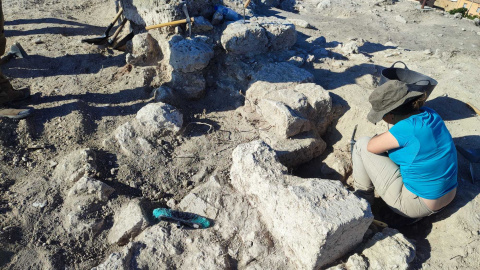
[{"x": 379, "y": 172}]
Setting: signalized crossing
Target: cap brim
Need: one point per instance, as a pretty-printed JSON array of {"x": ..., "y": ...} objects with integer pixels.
[{"x": 375, "y": 117}]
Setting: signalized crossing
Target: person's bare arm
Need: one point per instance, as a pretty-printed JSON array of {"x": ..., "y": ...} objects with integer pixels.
[{"x": 382, "y": 143}]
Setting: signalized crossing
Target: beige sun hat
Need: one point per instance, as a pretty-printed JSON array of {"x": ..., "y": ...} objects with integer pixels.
[{"x": 388, "y": 97}]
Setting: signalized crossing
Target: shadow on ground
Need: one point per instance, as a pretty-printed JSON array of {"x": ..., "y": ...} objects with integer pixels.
[
  {"x": 75, "y": 28},
  {"x": 33, "y": 66},
  {"x": 450, "y": 109}
]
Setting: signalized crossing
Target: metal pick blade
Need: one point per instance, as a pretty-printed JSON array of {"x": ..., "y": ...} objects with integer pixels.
[{"x": 189, "y": 23}]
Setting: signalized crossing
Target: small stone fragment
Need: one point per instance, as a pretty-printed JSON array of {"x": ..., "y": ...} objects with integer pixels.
[
  {"x": 129, "y": 222},
  {"x": 300, "y": 23}
]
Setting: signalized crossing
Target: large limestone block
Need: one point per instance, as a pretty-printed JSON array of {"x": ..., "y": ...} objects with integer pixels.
[
  {"x": 90, "y": 187},
  {"x": 188, "y": 55},
  {"x": 236, "y": 220},
  {"x": 188, "y": 85},
  {"x": 284, "y": 120},
  {"x": 387, "y": 249},
  {"x": 309, "y": 100},
  {"x": 165, "y": 248},
  {"x": 315, "y": 220},
  {"x": 129, "y": 222},
  {"x": 244, "y": 38},
  {"x": 296, "y": 150},
  {"x": 150, "y": 12},
  {"x": 145, "y": 50},
  {"x": 74, "y": 166},
  {"x": 281, "y": 34},
  {"x": 282, "y": 72},
  {"x": 158, "y": 119},
  {"x": 303, "y": 100}
]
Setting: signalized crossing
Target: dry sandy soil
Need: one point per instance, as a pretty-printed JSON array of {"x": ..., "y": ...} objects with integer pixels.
[{"x": 82, "y": 93}]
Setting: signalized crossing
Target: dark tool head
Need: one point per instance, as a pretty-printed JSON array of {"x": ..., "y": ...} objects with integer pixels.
[
  {"x": 100, "y": 40},
  {"x": 124, "y": 41},
  {"x": 96, "y": 41}
]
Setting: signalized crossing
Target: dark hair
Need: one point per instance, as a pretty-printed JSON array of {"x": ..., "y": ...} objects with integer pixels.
[{"x": 410, "y": 106}]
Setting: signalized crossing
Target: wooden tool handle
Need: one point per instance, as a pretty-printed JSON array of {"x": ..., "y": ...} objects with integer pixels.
[
  {"x": 118, "y": 15},
  {"x": 247, "y": 3},
  {"x": 168, "y": 24},
  {"x": 119, "y": 29},
  {"x": 474, "y": 108}
]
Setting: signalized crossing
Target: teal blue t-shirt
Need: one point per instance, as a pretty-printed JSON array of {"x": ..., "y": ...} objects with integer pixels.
[{"x": 427, "y": 156}]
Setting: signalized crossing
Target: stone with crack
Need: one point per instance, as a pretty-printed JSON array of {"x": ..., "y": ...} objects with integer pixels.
[
  {"x": 281, "y": 34},
  {"x": 315, "y": 220},
  {"x": 145, "y": 50},
  {"x": 304, "y": 100},
  {"x": 152, "y": 121}
]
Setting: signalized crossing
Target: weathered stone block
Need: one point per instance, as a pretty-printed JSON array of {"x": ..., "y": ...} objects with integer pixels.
[
  {"x": 285, "y": 122},
  {"x": 307, "y": 100},
  {"x": 150, "y": 12},
  {"x": 92, "y": 188},
  {"x": 296, "y": 150},
  {"x": 188, "y": 55},
  {"x": 129, "y": 142},
  {"x": 315, "y": 220},
  {"x": 282, "y": 72},
  {"x": 188, "y": 85},
  {"x": 129, "y": 222},
  {"x": 158, "y": 119},
  {"x": 145, "y": 50},
  {"x": 281, "y": 34},
  {"x": 74, "y": 166},
  {"x": 388, "y": 248},
  {"x": 244, "y": 38},
  {"x": 201, "y": 25}
]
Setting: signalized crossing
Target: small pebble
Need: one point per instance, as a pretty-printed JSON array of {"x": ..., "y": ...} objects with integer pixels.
[
  {"x": 52, "y": 163},
  {"x": 38, "y": 41}
]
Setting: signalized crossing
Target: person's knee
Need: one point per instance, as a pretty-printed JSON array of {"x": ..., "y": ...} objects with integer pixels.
[{"x": 362, "y": 143}]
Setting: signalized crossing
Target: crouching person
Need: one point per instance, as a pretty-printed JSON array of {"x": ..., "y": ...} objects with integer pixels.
[{"x": 413, "y": 166}]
